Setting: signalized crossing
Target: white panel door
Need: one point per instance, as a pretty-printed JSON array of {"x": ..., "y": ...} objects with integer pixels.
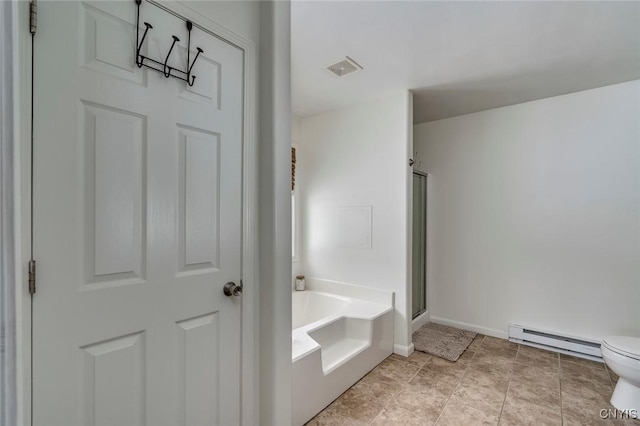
[{"x": 137, "y": 222}]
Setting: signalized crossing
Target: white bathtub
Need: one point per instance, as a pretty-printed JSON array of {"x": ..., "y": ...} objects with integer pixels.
[
  {"x": 311, "y": 306},
  {"x": 337, "y": 339}
]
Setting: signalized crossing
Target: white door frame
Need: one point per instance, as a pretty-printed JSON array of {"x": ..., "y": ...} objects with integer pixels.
[
  {"x": 10, "y": 261},
  {"x": 250, "y": 321}
]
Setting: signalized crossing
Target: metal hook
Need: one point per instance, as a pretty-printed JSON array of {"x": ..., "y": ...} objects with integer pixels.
[
  {"x": 194, "y": 59},
  {"x": 189, "y": 27},
  {"x": 191, "y": 79},
  {"x": 168, "y": 74},
  {"x": 139, "y": 57}
]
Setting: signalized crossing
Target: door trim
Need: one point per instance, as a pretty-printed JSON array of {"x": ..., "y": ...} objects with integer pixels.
[{"x": 250, "y": 328}]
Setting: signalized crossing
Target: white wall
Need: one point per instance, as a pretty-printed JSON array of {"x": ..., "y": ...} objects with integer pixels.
[
  {"x": 275, "y": 214},
  {"x": 534, "y": 214},
  {"x": 358, "y": 156}
]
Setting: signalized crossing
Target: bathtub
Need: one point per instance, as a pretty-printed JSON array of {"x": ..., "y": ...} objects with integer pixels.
[{"x": 339, "y": 333}]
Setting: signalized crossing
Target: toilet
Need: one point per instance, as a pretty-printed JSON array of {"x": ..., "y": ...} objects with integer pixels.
[{"x": 622, "y": 356}]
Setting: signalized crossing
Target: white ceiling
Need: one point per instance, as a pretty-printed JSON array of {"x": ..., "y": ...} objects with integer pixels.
[{"x": 460, "y": 57}]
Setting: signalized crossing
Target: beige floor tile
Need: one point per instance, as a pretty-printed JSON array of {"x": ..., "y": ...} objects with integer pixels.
[
  {"x": 457, "y": 414},
  {"x": 332, "y": 416},
  {"x": 537, "y": 352},
  {"x": 398, "y": 370},
  {"x": 466, "y": 356},
  {"x": 416, "y": 358},
  {"x": 395, "y": 416},
  {"x": 352, "y": 408},
  {"x": 397, "y": 357},
  {"x": 439, "y": 365},
  {"x": 480, "y": 395},
  {"x": 538, "y": 357},
  {"x": 584, "y": 406},
  {"x": 578, "y": 379},
  {"x": 378, "y": 387},
  {"x": 490, "y": 366},
  {"x": 577, "y": 369},
  {"x": 533, "y": 394},
  {"x": 495, "y": 355},
  {"x": 498, "y": 355},
  {"x": 464, "y": 359},
  {"x": 444, "y": 382},
  {"x": 564, "y": 359},
  {"x": 591, "y": 421},
  {"x": 533, "y": 374},
  {"x": 593, "y": 390},
  {"x": 529, "y": 414},
  {"x": 495, "y": 343},
  {"x": 493, "y": 381},
  {"x": 484, "y": 378},
  {"x": 476, "y": 342},
  {"x": 427, "y": 403}
]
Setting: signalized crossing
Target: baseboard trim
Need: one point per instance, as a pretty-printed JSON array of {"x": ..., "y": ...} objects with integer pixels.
[
  {"x": 471, "y": 327},
  {"x": 403, "y": 350},
  {"x": 420, "y": 321}
]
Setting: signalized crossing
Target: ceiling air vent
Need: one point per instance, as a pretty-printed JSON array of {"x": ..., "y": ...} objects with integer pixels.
[{"x": 344, "y": 67}]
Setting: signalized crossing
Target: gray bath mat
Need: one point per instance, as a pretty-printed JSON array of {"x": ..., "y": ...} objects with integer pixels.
[{"x": 442, "y": 341}]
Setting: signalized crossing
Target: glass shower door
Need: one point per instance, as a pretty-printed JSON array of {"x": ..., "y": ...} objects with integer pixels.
[{"x": 419, "y": 293}]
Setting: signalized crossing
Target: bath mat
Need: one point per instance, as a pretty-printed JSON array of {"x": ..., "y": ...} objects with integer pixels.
[{"x": 442, "y": 341}]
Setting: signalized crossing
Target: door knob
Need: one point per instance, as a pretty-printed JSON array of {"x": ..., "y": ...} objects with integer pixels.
[{"x": 231, "y": 289}]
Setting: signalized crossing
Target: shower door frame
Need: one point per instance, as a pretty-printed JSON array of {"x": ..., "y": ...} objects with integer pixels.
[{"x": 424, "y": 175}]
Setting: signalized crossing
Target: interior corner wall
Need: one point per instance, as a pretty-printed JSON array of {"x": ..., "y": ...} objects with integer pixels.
[
  {"x": 357, "y": 157},
  {"x": 534, "y": 214},
  {"x": 297, "y": 265},
  {"x": 409, "y": 154}
]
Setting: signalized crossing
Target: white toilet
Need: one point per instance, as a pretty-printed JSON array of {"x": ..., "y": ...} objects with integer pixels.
[{"x": 622, "y": 356}]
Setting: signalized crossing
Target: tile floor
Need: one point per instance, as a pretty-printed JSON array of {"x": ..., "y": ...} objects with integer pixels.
[{"x": 494, "y": 382}]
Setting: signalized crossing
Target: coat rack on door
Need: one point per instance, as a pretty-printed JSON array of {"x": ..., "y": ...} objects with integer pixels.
[{"x": 167, "y": 70}]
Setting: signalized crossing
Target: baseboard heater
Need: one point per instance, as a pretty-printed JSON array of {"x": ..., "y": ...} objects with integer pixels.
[{"x": 554, "y": 342}]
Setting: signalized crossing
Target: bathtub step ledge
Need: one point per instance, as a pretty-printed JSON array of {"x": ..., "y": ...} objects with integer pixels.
[{"x": 338, "y": 353}]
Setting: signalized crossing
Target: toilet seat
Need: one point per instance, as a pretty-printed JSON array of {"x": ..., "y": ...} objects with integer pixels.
[{"x": 623, "y": 345}]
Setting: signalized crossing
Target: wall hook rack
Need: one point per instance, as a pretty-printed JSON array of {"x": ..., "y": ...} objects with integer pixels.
[{"x": 162, "y": 67}]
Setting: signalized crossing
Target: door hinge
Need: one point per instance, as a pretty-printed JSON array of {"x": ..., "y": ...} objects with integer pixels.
[
  {"x": 33, "y": 16},
  {"x": 32, "y": 277}
]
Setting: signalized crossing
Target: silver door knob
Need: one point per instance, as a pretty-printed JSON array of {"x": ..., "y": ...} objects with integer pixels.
[{"x": 231, "y": 289}]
